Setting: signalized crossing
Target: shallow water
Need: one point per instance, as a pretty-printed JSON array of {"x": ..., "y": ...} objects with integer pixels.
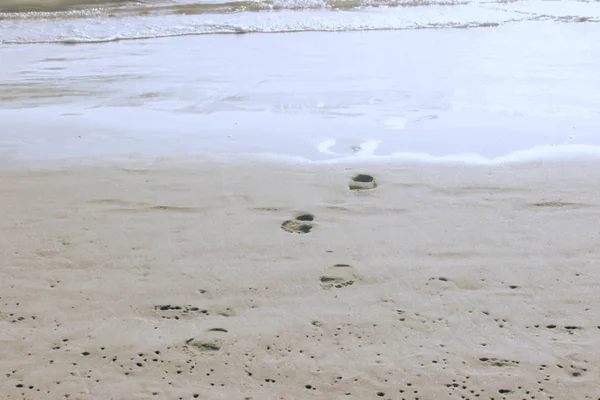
[
  {"x": 77, "y": 21},
  {"x": 518, "y": 76}
]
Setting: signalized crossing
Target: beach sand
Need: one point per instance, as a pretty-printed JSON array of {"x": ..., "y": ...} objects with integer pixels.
[{"x": 182, "y": 280}]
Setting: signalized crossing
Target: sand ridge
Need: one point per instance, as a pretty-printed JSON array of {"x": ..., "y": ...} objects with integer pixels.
[{"x": 182, "y": 282}]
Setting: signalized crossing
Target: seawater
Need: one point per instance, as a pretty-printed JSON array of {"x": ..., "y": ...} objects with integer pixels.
[
  {"x": 76, "y": 21},
  {"x": 481, "y": 81}
]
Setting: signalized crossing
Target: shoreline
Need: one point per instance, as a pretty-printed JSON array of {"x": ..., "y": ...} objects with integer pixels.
[
  {"x": 457, "y": 97},
  {"x": 550, "y": 155},
  {"x": 391, "y": 214},
  {"x": 135, "y": 281}
]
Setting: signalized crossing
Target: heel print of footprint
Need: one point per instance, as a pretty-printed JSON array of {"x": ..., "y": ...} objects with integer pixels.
[
  {"x": 362, "y": 182},
  {"x": 338, "y": 276},
  {"x": 301, "y": 224}
]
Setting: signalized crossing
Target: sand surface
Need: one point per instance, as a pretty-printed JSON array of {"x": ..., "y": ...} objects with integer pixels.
[{"x": 176, "y": 281}]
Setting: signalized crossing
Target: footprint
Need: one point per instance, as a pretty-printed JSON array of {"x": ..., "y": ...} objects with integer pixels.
[
  {"x": 301, "y": 224},
  {"x": 195, "y": 346},
  {"x": 168, "y": 311},
  {"x": 338, "y": 276},
  {"x": 497, "y": 362},
  {"x": 223, "y": 330},
  {"x": 362, "y": 182}
]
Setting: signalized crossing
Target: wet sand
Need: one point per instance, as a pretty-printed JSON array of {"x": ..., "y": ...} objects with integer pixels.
[
  {"x": 253, "y": 280},
  {"x": 262, "y": 275}
]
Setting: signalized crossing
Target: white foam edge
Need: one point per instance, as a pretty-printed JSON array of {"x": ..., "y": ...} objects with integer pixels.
[
  {"x": 556, "y": 153},
  {"x": 539, "y": 154},
  {"x": 366, "y": 148}
]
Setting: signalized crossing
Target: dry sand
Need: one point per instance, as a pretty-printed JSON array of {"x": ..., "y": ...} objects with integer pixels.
[{"x": 177, "y": 281}]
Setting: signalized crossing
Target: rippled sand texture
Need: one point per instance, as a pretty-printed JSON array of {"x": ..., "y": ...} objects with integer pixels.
[{"x": 248, "y": 281}]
